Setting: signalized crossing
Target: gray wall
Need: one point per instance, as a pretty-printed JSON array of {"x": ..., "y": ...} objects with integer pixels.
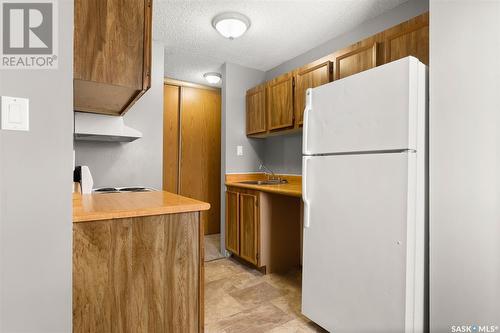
[
  {"x": 283, "y": 154},
  {"x": 139, "y": 162},
  {"x": 236, "y": 80},
  {"x": 464, "y": 163},
  {"x": 35, "y": 196}
]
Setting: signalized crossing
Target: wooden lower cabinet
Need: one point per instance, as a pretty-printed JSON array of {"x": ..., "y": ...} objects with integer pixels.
[
  {"x": 142, "y": 274},
  {"x": 232, "y": 222},
  {"x": 263, "y": 229},
  {"x": 249, "y": 228}
]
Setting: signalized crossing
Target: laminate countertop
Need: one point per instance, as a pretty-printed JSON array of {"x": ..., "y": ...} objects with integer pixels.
[
  {"x": 293, "y": 188},
  {"x": 98, "y": 207}
]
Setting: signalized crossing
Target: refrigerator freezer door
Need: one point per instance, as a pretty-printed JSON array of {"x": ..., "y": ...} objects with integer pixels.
[
  {"x": 375, "y": 110},
  {"x": 359, "y": 256}
]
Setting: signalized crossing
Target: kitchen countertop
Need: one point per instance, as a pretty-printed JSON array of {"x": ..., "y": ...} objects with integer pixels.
[
  {"x": 98, "y": 207},
  {"x": 292, "y": 188}
]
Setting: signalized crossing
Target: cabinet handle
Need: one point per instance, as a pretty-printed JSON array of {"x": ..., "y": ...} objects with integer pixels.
[
  {"x": 305, "y": 120},
  {"x": 305, "y": 197}
]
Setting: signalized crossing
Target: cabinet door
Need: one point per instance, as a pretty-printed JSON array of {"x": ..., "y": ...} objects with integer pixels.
[
  {"x": 309, "y": 77},
  {"x": 109, "y": 42},
  {"x": 112, "y": 54},
  {"x": 410, "y": 42},
  {"x": 249, "y": 223},
  {"x": 256, "y": 110},
  {"x": 355, "y": 60},
  {"x": 232, "y": 222},
  {"x": 280, "y": 102}
]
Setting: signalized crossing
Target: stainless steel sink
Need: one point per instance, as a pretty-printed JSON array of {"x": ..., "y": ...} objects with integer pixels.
[{"x": 265, "y": 182}]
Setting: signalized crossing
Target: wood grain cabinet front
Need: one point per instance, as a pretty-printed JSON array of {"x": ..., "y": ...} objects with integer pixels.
[
  {"x": 112, "y": 54},
  {"x": 138, "y": 275},
  {"x": 411, "y": 40},
  {"x": 279, "y": 101},
  {"x": 285, "y": 94},
  {"x": 249, "y": 228},
  {"x": 310, "y": 76},
  {"x": 263, "y": 229},
  {"x": 356, "y": 59},
  {"x": 242, "y": 224},
  {"x": 256, "y": 121},
  {"x": 232, "y": 222}
]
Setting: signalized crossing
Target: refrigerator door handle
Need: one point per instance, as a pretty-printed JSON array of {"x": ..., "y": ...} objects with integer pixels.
[
  {"x": 305, "y": 198},
  {"x": 305, "y": 126}
]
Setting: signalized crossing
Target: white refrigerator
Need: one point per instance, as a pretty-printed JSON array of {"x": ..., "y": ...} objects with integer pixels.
[{"x": 364, "y": 190}]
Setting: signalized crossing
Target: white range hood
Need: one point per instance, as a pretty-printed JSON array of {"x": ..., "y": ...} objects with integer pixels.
[{"x": 96, "y": 127}]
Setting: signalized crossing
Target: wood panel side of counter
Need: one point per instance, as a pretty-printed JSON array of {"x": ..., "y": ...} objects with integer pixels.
[{"x": 139, "y": 274}]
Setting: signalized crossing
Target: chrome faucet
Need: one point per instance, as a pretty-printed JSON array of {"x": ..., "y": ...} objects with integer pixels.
[{"x": 269, "y": 173}]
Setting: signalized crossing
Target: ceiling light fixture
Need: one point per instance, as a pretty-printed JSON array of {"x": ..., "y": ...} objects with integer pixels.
[
  {"x": 212, "y": 77},
  {"x": 231, "y": 25}
]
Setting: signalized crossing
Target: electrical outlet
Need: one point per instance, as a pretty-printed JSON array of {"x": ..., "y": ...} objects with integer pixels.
[{"x": 239, "y": 150}]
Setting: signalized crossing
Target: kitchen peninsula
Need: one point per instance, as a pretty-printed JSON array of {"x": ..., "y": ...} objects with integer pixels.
[{"x": 137, "y": 263}]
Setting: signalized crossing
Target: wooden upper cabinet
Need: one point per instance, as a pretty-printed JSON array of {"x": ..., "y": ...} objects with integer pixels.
[
  {"x": 285, "y": 95},
  {"x": 232, "y": 222},
  {"x": 256, "y": 110},
  {"x": 355, "y": 59},
  {"x": 309, "y": 76},
  {"x": 412, "y": 39},
  {"x": 112, "y": 54},
  {"x": 249, "y": 228},
  {"x": 279, "y": 100}
]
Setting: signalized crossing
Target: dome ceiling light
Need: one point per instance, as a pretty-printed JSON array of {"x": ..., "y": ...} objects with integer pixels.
[
  {"x": 231, "y": 25},
  {"x": 212, "y": 77}
]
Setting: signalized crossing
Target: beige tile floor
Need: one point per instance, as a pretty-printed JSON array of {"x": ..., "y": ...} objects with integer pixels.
[
  {"x": 212, "y": 247},
  {"x": 239, "y": 299}
]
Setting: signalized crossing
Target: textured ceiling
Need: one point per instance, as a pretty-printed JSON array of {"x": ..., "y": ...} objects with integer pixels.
[{"x": 280, "y": 30}]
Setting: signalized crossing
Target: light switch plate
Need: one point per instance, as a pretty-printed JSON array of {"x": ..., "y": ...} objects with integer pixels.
[
  {"x": 239, "y": 150},
  {"x": 15, "y": 113}
]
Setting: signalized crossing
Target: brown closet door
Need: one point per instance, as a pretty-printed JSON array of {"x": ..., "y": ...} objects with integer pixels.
[
  {"x": 171, "y": 137},
  {"x": 200, "y": 151}
]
